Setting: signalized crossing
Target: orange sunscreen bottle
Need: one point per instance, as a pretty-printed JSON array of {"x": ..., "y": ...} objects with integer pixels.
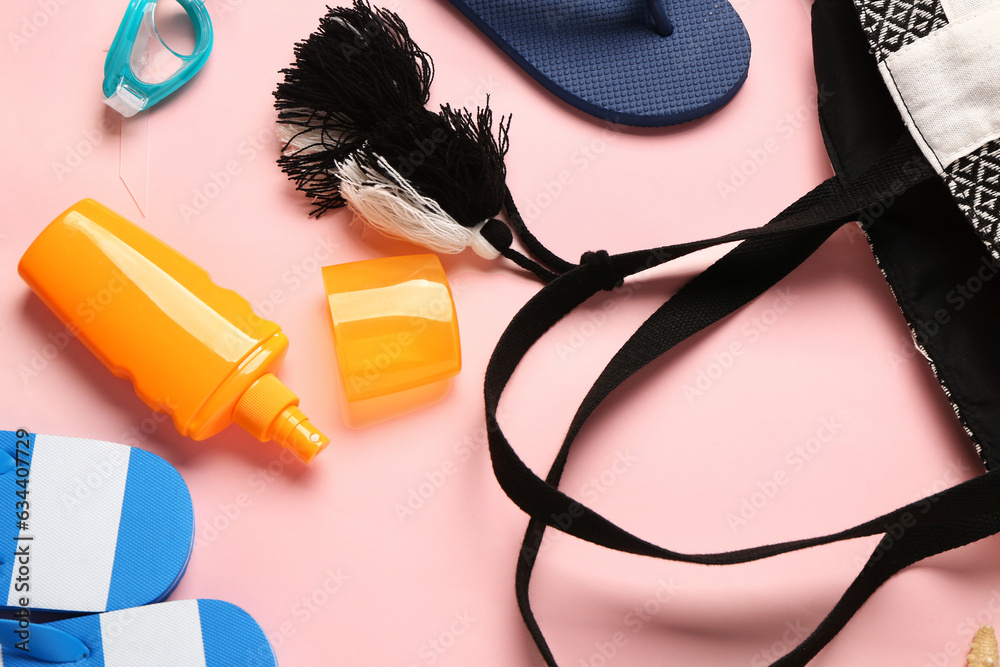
[{"x": 192, "y": 349}]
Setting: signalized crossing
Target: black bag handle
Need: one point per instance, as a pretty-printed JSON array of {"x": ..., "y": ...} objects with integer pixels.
[{"x": 955, "y": 517}]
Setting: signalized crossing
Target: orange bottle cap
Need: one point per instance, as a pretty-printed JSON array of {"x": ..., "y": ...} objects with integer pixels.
[{"x": 394, "y": 324}]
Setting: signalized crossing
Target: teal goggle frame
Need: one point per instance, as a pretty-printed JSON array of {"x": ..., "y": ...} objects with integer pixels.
[{"x": 125, "y": 89}]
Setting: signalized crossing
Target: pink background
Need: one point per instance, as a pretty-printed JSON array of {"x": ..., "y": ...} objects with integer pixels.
[{"x": 436, "y": 587}]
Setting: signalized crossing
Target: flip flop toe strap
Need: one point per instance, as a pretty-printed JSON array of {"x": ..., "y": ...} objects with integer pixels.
[
  {"x": 658, "y": 9},
  {"x": 42, "y": 643}
]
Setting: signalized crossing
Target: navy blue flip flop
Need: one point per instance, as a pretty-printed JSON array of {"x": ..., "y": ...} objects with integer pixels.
[{"x": 648, "y": 63}]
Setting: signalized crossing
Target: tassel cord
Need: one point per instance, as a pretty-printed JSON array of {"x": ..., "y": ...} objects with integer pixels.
[{"x": 531, "y": 243}]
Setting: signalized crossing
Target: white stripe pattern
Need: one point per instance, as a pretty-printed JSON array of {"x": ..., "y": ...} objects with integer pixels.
[
  {"x": 956, "y": 9},
  {"x": 159, "y": 635},
  {"x": 947, "y": 84},
  {"x": 76, "y": 489}
]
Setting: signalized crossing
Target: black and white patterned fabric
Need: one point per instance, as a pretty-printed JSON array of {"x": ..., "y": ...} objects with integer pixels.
[
  {"x": 937, "y": 58},
  {"x": 975, "y": 184},
  {"x": 892, "y": 24}
]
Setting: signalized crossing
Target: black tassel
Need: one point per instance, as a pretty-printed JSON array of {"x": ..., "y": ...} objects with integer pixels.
[
  {"x": 356, "y": 96},
  {"x": 451, "y": 157}
]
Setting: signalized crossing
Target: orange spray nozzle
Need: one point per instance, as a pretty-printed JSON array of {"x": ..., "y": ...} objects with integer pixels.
[{"x": 268, "y": 410}]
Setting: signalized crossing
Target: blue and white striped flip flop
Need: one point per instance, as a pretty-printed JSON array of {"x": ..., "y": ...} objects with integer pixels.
[
  {"x": 97, "y": 526},
  {"x": 182, "y": 633}
]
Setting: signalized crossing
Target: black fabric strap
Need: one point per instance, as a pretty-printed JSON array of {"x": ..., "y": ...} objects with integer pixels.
[
  {"x": 528, "y": 240},
  {"x": 955, "y": 517}
]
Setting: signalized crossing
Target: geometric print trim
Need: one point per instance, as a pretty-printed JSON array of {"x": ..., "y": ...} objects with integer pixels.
[
  {"x": 975, "y": 184},
  {"x": 892, "y": 24}
]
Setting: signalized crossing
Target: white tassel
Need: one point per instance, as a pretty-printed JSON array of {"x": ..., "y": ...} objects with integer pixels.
[{"x": 385, "y": 200}]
